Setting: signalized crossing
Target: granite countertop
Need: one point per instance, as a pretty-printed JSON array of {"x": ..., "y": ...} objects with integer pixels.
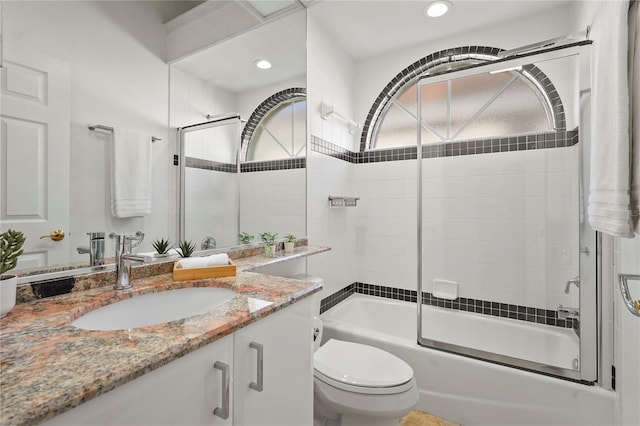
[{"x": 49, "y": 366}]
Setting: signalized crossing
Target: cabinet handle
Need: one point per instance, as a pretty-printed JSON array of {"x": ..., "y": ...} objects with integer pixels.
[
  {"x": 223, "y": 412},
  {"x": 258, "y": 346}
]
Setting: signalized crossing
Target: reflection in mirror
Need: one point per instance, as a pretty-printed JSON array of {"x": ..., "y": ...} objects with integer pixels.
[
  {"x": 271, "y": 174},
  {"x": 67, "y": 65}
]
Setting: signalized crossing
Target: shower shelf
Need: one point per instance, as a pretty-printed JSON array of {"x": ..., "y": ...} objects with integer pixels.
[{"x": 341, "y": 201}]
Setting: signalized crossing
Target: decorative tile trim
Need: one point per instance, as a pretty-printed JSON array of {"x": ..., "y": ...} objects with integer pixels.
[
  {"x": 263, "y": 166},
  {"x": 560, "y": 139},
  {"x": 262, "y": 110},
  {"x": 483, "y": 54},
  {"x": 199, "y": 163},
  {"x": 478, "y": 306}
]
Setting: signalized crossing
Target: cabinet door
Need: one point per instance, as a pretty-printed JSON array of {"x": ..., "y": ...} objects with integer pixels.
[
  {"x": 286, "y": 397},
  {"x": 184, "y": 392}
]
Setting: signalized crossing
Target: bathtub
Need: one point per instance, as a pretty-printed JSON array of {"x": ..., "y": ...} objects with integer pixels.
[{"x": 466, "y": 390}]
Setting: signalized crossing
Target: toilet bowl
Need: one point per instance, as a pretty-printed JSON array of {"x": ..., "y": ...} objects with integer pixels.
[{"x": 356, "y": 384}]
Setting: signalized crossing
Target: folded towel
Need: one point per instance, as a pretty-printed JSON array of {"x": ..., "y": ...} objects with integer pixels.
[
  {"x": 203, "y": 262},
  {"x": 130, "y": 174},
  {"x": 609, "y": 201}
]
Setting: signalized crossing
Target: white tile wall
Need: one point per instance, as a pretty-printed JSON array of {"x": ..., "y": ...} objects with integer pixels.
[{"x": 273, "y": 201}]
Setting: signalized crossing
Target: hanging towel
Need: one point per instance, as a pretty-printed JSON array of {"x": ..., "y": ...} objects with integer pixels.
[
  {"x": 609, "y": 202},
  {"x": 634, "y": 110},
  {"x": 130, "y": 174}
]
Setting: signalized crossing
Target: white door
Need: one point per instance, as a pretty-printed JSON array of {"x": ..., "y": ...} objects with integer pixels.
[{"x": 34, "y": 158}]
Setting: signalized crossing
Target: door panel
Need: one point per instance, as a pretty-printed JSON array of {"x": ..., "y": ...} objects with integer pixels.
[{"x": 35, "y": 122}]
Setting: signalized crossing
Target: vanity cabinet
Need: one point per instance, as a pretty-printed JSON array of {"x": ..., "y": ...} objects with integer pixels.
[
  {"x": 184, "y": 392},
  {"x": 188, "y": 390},
  {"x": 283, "y": 394}
]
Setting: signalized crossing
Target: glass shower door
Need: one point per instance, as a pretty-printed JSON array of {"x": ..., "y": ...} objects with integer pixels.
[{"x": 500, "y": 215}]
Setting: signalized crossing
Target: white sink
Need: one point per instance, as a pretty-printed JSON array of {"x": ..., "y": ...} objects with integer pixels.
[{"x": 155, "y": 308}]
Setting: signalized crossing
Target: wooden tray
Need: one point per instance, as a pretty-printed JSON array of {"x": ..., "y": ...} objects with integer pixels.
[{"x": 180, "y": 274}]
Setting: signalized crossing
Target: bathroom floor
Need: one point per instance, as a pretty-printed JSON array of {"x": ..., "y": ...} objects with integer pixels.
[{"x": 420, "y": 418}]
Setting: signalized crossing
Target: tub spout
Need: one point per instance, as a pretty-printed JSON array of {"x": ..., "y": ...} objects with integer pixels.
[{"x": 575, "y": 280}]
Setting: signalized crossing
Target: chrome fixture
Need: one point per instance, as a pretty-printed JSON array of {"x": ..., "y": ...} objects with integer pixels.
[
  {"x": 575, "y": 280},
  {"x": 95, "y": 249},
  {"x": 208, "y": 243},
  {"x": 124, "y": 257},
  {"x": 342, "y": 201},
  {"x": 632, "y": 305},
  {"x": 96, "y": 127},
  {"x": 565, "y": 313}
]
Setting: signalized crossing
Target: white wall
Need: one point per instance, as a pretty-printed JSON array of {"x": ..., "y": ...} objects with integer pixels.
[
  {"x": 115, "y": 52},
  {"x": 273, "y": 201},
  {"x": 329, "y": 79}
]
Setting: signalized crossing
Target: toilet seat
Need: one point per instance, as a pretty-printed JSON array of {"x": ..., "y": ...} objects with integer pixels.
[{"x": 358, "y": 368}]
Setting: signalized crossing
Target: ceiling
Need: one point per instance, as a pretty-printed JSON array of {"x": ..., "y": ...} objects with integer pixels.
[
  {"x": 368, "y": 28},
  {"x": 363, "y": 28}
]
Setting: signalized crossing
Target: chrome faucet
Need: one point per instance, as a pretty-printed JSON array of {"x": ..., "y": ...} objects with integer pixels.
[
  {"x": 124, "y": 257},
  {"x": 575, "y": 280},
  {"x": 95, "y": 250}
]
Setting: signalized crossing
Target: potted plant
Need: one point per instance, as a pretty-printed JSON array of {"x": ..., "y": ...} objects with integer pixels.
[
  {"x": 245, "y": 238},
  {"x": 289, "y": 243},
  {"x": 269, "y": 243},
  {"x": 162, "y": 247},
  {"x": 10, "y": 249},
  {"x": 186, "y": 249}
]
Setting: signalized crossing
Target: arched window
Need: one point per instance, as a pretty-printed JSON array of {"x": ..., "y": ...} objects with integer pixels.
[
  {"x": 276, "y": 130},
  {"x": 513, "y": 102}
]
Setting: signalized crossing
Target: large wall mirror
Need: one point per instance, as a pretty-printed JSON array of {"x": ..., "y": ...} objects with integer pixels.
[
  {"x": 242, "y": 133},
  {"x": 68, "y": 65}
]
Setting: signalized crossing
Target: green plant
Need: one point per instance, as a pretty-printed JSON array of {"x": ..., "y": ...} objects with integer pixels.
[
  {"x": 290, "y": 238},
  {"x": 186, "y": 249},
  {"x": 245, "y": 238},
  {"x": 162, "y": 246},
  {"x": 10, "y": 249},
  {"x": 268, "y": 237}
]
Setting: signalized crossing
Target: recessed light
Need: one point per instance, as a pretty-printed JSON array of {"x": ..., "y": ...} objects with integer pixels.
[
  {"x": 437, "y": 8},
  {"x": 263, "y": 64}
]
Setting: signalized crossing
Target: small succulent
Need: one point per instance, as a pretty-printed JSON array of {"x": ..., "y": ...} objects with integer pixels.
[
  {"x": 245, "y": 238},
  {"x": 162, "y": 246},
  {"x": 290, "y": 238},
  {"x": 268, "y": 237},
  {"x": 186, "y": 249},
  {"x": 10, "y": 249}
]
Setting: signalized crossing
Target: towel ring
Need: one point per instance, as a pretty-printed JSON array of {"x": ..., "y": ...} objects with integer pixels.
[{"x": 632, "y": 305}]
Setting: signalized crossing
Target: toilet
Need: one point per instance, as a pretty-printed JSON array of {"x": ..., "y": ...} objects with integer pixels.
[{"x": 357, "y": 385}]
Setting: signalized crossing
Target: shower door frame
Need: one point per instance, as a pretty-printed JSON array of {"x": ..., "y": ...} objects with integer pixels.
[
  {"x": 215, "y": 121},
  {"x": 590, "y": 329}
]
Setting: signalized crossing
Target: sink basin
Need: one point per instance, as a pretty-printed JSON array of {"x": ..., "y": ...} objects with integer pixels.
[{"x": 155, "y": 308}]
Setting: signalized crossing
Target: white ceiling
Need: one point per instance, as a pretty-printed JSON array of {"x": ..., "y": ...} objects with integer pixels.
[
  {"x": 367, "y": 28},
  {"x": 362, "y": 27},
  {"x": 231, "y": 64}
]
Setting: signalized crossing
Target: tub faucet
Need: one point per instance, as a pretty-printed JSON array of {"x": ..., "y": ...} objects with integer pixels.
[
  {"x": 575, "y": 280},
  {"x": 565, "y": 312},
  {"x": 124, "y": 257}
]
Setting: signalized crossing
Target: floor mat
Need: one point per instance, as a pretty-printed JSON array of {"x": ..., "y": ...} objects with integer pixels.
[{"x": 420, "y": 418}]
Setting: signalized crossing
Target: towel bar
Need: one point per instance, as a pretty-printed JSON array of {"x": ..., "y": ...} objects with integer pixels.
[
  {"x": 632, "y": 305},
  {"x": 95, "y": 127}
]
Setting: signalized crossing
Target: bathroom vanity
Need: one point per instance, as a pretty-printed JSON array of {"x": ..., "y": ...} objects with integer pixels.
[{"x": 240, "y": 364}]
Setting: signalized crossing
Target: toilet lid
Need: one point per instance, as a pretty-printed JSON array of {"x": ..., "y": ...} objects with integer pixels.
[{"x": 360, "y": 365}]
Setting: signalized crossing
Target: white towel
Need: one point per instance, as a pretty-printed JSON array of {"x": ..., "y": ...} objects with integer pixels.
[
  {"x": 203, "y": 262},
  {"x": 130, "y": 174},
  {"x": 634, "y": 111},
  {"x": 609, "y": 201}
]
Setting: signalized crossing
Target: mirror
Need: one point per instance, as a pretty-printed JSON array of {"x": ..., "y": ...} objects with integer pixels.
[
  {"x": 248, "y": 174},
  {"x": 69, "y": 65}
]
